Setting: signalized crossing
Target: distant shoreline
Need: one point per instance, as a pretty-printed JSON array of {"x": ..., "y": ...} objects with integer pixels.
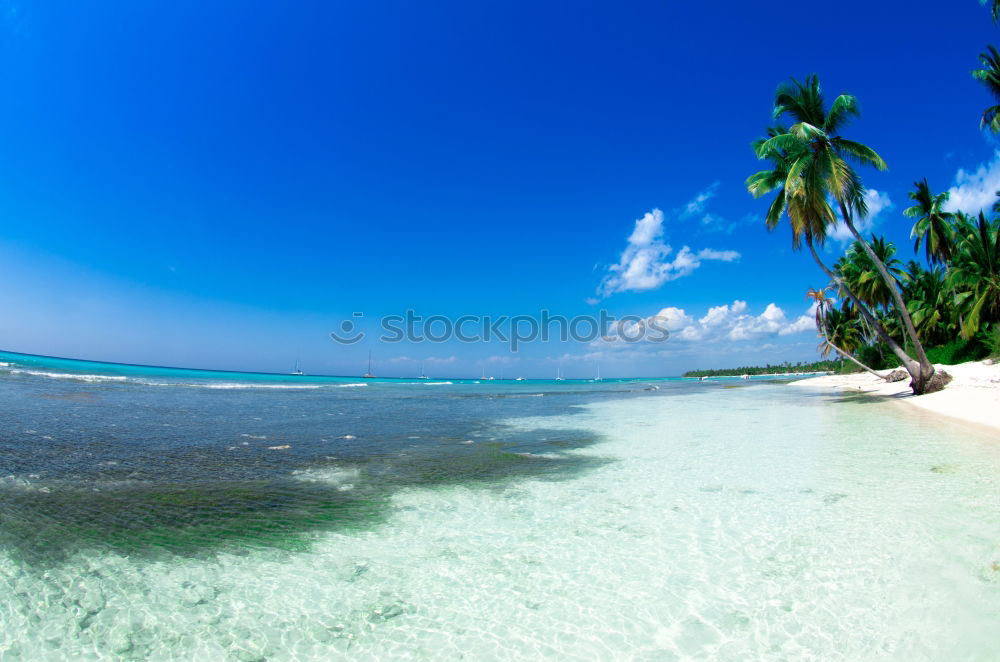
[
  {"x": 972, "y": 397},
  {"x": 783, "y": 369},
  {"x": 763, "y": 374}
]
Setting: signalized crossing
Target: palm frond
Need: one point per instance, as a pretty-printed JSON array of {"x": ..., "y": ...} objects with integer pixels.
[
  {"x": 843, "y": 108},
  {"x": 994, "y": 8},
  {"x": 862, "y": 154}
]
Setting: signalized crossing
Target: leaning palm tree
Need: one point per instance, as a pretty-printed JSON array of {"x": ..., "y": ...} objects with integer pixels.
[
  {"x": 989, "y": 76},
  {"x": 809, "y": 217},
  {"x": 814, "y": 157},
  {"x": 858, "y": 272},
  {"x": 844, "y": 327},
  {"x": 933, "y": 224},
  {"x": 842, "y": 331}
]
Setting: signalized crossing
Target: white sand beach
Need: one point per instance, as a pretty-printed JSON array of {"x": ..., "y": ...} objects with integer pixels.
[{"x": 973, "y": 395}]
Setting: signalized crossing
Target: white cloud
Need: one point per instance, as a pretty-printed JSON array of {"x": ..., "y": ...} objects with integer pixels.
[
  {"x": 719, "y": 314},
  {"x": 674, "y": 318},
  {"x": 707, "y": 221},
  {"x": 976, "y": 190},
  {"x": 711, "y": 254},
  {"x": 877, "y": 203},
  {"x": 644, "y": 265},
  {"x": 769, "y": 322},
  {"x": 805, "y": 322},
  {"x": 720, "y": 325},
  {"x": 733, "y": 322},
  {"x": 697, "y": 204}
]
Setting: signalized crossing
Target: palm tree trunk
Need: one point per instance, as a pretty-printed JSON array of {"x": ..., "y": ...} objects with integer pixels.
[
  {"x": 845, "y": 354},
  {"x": 821, "y": 321},
  {"x": 926, "y": 368},
  {"x": 911, "y": 366}
]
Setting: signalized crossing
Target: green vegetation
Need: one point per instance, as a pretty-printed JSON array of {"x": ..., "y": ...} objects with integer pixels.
[
  {"x": 885, "y": 311},
  {"x": 780, "y": 369},
  {"x": 994, "y": 8}
]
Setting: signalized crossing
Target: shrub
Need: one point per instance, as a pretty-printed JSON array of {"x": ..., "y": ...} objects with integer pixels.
[
  {"x": 993, "y": 342},
  {"x": 959, "y": 350},
  {"x": 877, "y": 357}
]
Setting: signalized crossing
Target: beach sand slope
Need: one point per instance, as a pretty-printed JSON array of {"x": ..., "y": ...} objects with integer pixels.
[{"x": 972, "y": 396}]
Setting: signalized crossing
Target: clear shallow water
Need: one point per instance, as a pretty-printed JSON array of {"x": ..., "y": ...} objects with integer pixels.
[{"x": 583, "y": 521}]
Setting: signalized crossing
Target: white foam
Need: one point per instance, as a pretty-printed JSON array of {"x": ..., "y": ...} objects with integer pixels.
[
  {"x": 339, "y": 476},
  {"x": 73, "y": 376},
  {"x": 145, "y": 381},
  {"x": 236, "y": 385}
]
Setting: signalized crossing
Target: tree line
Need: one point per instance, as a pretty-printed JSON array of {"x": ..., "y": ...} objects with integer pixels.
[{"x": 780, "y": 369}]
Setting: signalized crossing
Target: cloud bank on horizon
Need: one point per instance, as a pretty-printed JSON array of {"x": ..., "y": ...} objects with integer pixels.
[{"x": 728, "y": 322}]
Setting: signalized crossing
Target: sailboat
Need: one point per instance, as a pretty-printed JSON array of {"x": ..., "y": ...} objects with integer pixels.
[
  {"x": 559, "y": 376},
  {"x": 598, "y": 377},
  {"x": 423, "y": 375},
  {"x": 369, "y": 374},
  {"x": 297, "y": 371}
]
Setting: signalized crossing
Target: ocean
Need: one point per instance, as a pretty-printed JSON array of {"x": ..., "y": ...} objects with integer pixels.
[{"x": 172, "y": 514}]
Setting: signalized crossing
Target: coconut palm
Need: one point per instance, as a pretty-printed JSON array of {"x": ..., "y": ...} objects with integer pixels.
[
  {"x": 934, "y": 227},
  {"x": 931, "y": 302},
  {"x": 933, "y": 224},
  {"x": 989, "y": 76},
  {"x": 844, "y": 332},
  {"x": 822, "y": 302},
  {"x": 807, "y": 222},
  {"x": 814, "y": 158},
  {"x": 858, "y": 271},
  {"x": 809, "y": 219},
  {"x": 994, "y": 8},
  {"x": 975, "y": 272}
]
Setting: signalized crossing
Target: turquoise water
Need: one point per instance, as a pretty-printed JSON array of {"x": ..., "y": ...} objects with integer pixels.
[{"x": 211, "y": 516}]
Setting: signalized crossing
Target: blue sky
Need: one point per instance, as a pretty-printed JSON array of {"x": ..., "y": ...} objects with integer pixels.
[{"x": 221, "y": 185}]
